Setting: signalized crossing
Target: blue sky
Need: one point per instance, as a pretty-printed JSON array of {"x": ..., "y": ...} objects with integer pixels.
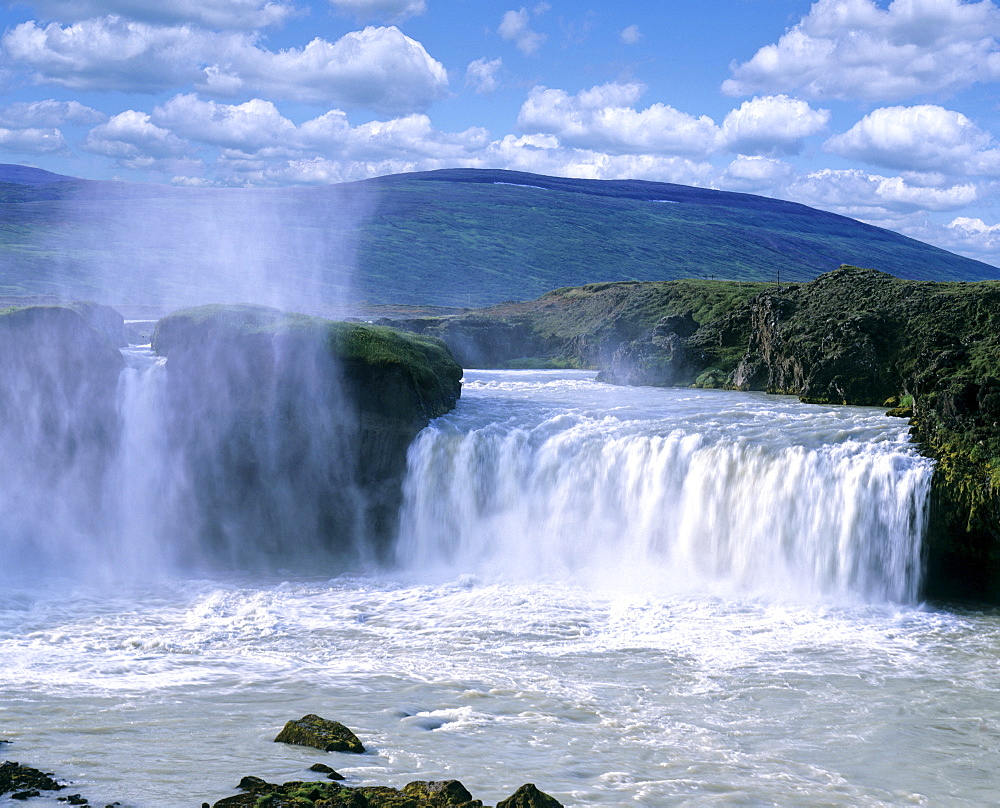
[{"x": 884, "y": 111}]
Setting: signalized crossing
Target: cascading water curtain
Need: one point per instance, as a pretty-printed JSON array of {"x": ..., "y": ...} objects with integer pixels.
[{"x": 613, "y": 503}]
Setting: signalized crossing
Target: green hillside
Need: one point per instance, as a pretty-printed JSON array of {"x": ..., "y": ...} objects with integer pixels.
[{"x": 457, "y": 237}]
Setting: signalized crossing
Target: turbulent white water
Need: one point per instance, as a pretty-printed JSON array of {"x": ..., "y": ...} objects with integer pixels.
[
  {"x": 673, "y": 489},
  {"x": 627, "y": 596}
]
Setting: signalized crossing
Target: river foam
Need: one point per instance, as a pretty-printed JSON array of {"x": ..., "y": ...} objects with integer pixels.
[{"x": 529, "y": 631}]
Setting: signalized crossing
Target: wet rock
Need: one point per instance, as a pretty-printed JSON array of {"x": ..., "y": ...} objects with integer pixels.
[
  {"x": 322, "y": 768},
  {"x": 659, "y": 360},
  {"x": 441, "y": 793},
  {"x": 104, "y": 320},
  {"x": 528, "y": 796},
  {"x": 293, "y": 426},
  {"x": 23, "y": 782},
  {"x": 330, "y": 736}
]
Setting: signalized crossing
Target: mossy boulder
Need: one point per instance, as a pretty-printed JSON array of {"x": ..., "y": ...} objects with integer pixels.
[
  {"x": 321, "y": 733},
  {"x": 441, "y": 794},
  {"x": 298, "y": 794},
  {"x": 529, "y": 796},
  {"x": 295, "y": 429},
  {"x": 366, "y": 352}
]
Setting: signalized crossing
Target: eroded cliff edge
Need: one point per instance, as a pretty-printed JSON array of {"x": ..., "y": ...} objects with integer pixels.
[
  {"x": 929, "y": 351},
  {"x": 298, "y": 426},
  {"x": 266, "y": 436}
]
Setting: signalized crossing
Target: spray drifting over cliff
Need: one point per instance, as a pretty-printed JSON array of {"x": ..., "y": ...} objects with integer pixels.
[{"x": 164, "y": 247}]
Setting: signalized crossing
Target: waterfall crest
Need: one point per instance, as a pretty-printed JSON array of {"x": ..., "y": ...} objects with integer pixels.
[{"x": 627, "y": 502}]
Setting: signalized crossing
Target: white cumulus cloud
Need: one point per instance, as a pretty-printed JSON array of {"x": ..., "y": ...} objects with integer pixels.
[
  {"x": 48, "y": 113},
  {"x": 36, "y": 141},
  {"x": 481, "y": 75},
  {"x": 971, "y": 236},
  {"x": 515, "y": 26},
  {"x": 379, "y": 68},
  {"x": 756, "y": 174},
  {"x": 112, "y": 53},
  {"x": 856, "y": 193},
  {"x": 923, "y": 138},
  {"x": 603, "y": 118},
  {"x": 855, "y": 49},
  {"x": 771, "y": 125},
  {"x": 376, "y": 68},
  {"x": 134, "y": 140},
  {"x": 225, "y": 14},
  {"x": 250, "y": 127}
]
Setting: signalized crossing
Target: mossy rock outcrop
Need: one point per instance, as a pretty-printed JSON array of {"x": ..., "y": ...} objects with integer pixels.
[
  {"x": 321, "y": 733},
  {"x": 529, "y": 796},
  {"x": 294, "y": 428},
  {"x": 258, "y": 793}
]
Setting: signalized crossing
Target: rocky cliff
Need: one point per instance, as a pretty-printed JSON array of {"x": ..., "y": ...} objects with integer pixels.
[{"x": 294, "y": 428}]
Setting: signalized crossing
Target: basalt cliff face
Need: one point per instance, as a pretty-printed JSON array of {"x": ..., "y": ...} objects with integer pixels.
[
  {"x": 929, "y": 351},
  {"x": 297, "y": 426}
]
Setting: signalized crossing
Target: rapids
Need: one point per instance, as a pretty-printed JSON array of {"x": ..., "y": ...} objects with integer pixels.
[{"x": 627, "y": 596}]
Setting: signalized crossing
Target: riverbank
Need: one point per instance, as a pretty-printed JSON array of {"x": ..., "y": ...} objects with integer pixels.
[{"x": 926, "y": 351}]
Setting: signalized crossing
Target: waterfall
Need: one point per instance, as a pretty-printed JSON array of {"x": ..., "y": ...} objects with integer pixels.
[
  {"x": 630, "y": 503},
  {"x": 251, "y": 466}
]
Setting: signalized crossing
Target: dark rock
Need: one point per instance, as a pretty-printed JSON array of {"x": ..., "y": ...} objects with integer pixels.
[
  {"x": 528, "y": 796},
  {"x": 292, "y": 426},
  {"x": 322, "y": 768},
  {"x": 441, "y": 793},
  {"x": 21, "y": 780},
  {"x": 330, "y": 736},
  {"x": 660, "y": 360},
  {"x": 480, "y": 342},
  {"x": 103, "y": 319}
]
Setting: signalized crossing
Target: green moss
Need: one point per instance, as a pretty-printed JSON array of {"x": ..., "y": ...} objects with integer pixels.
[
  {"x": 424, "y": 360},
  {"x": 544, "y": 363},
  {"x": 712, "y": 378}
]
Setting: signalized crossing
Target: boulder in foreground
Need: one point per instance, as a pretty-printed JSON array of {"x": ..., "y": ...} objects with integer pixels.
[
  {"x": 259, "y": 793},
  {"x": 330, "y": 736},
  {"x": 529, "y": 796}
]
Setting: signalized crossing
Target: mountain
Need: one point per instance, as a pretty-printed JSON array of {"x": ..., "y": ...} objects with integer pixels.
[{"x": 459, "y": 237}]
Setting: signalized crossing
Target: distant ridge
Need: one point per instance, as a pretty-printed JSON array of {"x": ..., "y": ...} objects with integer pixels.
[
  {"x": 26, "y": 175},
  {"x": 453, "y": 237}
]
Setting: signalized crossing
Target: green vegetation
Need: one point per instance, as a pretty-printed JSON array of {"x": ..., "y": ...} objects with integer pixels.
[
  {"x": 931, "y": 351},
  {"x": 478, "y": 240},
  {"x": 456, "y": 238}
]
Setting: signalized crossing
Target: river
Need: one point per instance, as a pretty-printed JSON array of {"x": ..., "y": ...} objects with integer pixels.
[{"x": 628, "y": 596}]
